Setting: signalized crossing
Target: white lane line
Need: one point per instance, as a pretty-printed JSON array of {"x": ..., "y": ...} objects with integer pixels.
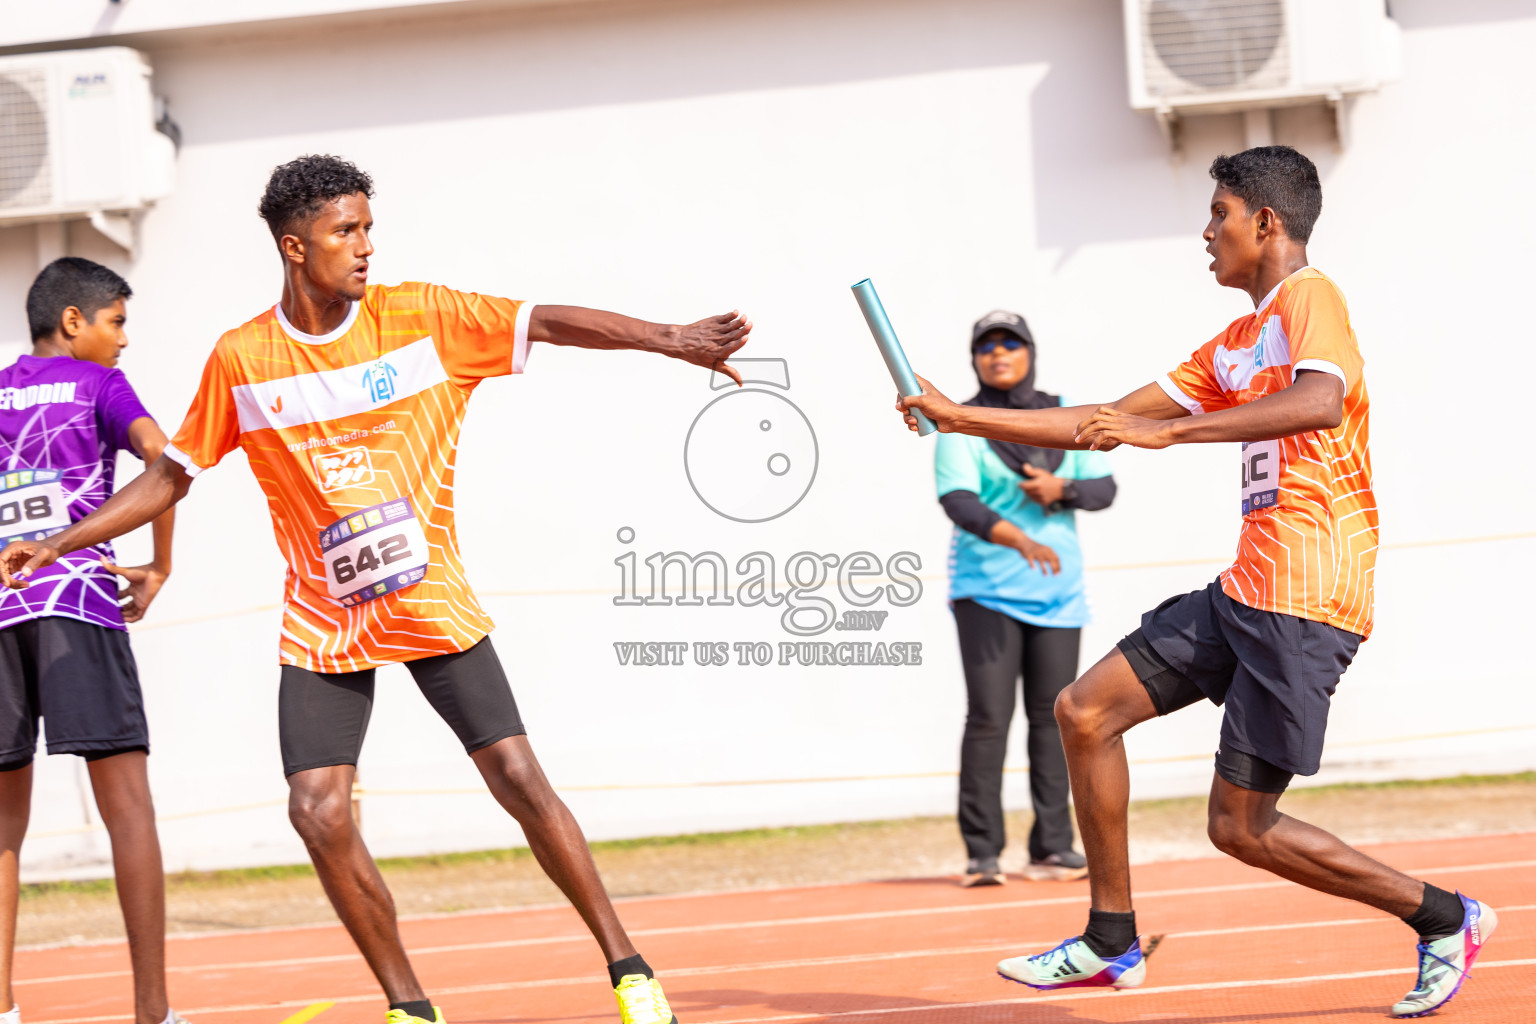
[
  {"x": 852, "y": 958},
  {"x": 587, "y": 979},
  {"x": 874, "y": 915},
  {"x": 1076, "y": 994},
  {"x": 1206, "y": 932}
]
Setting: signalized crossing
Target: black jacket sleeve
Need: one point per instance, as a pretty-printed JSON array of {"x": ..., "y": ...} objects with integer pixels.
[
  {"x": 1089, "y": 495},
  {"x": 966, "y": 510}
]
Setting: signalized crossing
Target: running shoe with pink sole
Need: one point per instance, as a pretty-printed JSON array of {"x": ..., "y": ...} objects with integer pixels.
[{"x": 1445, "y": 963}]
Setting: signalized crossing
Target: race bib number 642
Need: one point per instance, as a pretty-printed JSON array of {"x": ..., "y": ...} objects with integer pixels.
[{"x": 373, "y": 552}]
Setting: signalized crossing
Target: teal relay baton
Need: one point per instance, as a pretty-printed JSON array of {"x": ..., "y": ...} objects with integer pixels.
[{"x": 890, "y": 349}]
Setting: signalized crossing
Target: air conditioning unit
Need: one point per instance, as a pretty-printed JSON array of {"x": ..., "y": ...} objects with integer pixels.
[
  {"x": 78, "y": 138},
  {"x": 1222, "y": 56}
]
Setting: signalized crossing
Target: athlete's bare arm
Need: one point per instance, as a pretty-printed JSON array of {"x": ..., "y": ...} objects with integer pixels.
[
  {"x": 1146, "y": 418},
  {"x": 1043, "y": 428},
  {"x": 148, "y": 496},
  {"x": 1314, "y": 402},
  {"x": 707, "y": 343},
  {"x": 145, "y": 581}
]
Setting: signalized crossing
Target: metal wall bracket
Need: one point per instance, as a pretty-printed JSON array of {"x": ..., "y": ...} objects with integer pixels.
[
  {"x": 1339, "y": 104},
  {"x": 1168, "y": 121},
  {"x": 119, "y": 228}
]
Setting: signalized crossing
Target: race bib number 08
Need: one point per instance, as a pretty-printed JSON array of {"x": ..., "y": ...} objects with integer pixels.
[
  {"x": 1261, "y": 475},
  {"x": 373, "y": 552},
  {"x": 32, "y": 504}
]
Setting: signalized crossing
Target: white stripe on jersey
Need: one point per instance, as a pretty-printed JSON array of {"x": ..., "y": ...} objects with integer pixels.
[{"x": 345, "y": 391}]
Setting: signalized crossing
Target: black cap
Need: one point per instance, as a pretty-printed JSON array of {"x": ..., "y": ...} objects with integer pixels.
[{"x": 1001, "y": 320}]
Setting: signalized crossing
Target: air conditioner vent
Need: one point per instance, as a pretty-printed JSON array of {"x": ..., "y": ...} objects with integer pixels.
[
  {"x": 1200, "y": 46},
  {"x": 1186, "y": 57},
  {"x": 78, "y": 138},
  {"x": 25, "y": 179}
]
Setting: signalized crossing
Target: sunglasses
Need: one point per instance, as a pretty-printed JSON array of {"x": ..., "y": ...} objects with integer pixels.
[{"x": 984, "y": 347}]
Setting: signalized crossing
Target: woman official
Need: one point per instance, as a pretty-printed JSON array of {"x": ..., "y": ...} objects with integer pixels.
[{"x": 1016, "y": 587}]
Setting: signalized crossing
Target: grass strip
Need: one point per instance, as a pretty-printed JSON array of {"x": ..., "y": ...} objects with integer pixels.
[{"x": 231, "y": 877}]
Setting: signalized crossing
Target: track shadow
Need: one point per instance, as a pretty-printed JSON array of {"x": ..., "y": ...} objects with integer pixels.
[
  {"x": 1237, "y": 1018},
  {"x": 751, "y": 1002},
  {"x": 843, "y": 1006}
]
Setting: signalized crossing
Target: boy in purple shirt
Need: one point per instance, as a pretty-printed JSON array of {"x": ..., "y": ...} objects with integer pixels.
[{"x": 65, "y": 413}]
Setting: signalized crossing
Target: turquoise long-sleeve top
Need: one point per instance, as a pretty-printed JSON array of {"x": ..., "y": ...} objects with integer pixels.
[{"x": 998, "y": 577}]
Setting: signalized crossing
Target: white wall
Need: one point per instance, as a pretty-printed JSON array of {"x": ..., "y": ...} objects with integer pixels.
[
  {"x": 674, "y": 160},
  {"x": 25, "y": 23}
]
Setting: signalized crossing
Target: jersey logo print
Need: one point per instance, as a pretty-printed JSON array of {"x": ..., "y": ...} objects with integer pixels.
[
  {"x": 328, "y": 395},
  {"x": 379, "y": 381},
  {"x": 344, "y": 467}
]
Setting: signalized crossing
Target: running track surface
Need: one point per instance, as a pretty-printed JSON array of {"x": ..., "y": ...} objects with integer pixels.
[{"x": 1240, "y": 946}]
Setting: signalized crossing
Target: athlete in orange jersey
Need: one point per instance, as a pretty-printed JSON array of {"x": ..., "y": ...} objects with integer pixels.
[
  {"x": 1311, "y": 555},
  {"x": 352, "y": 436},
  {"x": 347, "y": 398},
  {"x": 1270, "y": 638}
]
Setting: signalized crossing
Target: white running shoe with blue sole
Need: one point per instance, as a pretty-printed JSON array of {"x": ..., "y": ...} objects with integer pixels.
[
  {"x": 1073, "y": 965},
  {"x": 1445, "y": 963}
]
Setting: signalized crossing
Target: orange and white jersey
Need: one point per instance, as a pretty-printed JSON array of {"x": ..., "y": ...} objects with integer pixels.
[
  {"x": 352, "y": 436},
  {"x": 1310, "y": 533}
]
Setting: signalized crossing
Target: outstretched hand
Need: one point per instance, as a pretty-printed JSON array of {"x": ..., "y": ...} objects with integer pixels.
[
  {"x": 1108, "y": 428},
  {"x": 711, "y": 341},
  {"x": 21, "y": 559},
  {"x": 144, "y": 582},
  {"x": 931, "y": 403}
]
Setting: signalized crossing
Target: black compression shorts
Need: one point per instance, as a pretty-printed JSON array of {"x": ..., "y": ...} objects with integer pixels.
[{"x": 322, "y": 716}]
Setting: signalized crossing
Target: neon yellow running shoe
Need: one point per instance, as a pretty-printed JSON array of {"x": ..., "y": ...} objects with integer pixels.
[
  {"x": 641, "y": 1001},
  {"x": 401, "y": 1017}
]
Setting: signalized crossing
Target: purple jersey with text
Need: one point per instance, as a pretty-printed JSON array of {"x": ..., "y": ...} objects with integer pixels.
[{"x": 62, "y": 423}]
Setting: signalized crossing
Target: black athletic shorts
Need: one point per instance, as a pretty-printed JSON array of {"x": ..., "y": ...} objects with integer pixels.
[
  {"x": 80, "y": 679},
  {"x": 322, "y": 716},
  {"x": 1274, "y": 674}
]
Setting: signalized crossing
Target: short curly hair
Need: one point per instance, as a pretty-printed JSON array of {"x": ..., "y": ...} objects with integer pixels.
[
  {"x": 299, "y": 189},
  {"x": 1277, "y": 177}
]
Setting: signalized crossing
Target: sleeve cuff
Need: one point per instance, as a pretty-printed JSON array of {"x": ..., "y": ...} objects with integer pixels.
[
  {"x": 183, "y": 460},
  {"x": 520, "y": 337},
  {"x": 1321, "y": 365},
  {"x": 1174, "y": 392}
]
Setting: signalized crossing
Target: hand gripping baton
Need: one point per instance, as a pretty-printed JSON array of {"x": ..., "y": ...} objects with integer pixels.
[{"x": 890, "y": 349}]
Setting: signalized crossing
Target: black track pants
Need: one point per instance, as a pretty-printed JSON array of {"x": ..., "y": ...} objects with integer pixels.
[{"x": 996, "y": 650}]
